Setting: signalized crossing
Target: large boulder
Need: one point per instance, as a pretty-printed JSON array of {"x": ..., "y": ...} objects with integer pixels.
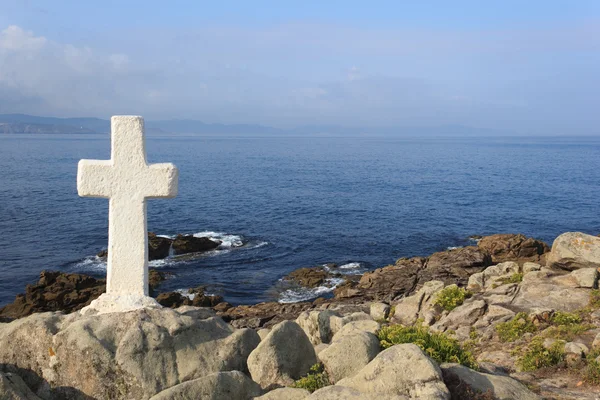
[
  {"x": 12, "y": 387},
  {"x": 574, "y": 250},
  {"x": 184, "y": 244},
  {"x": 420, "y": 305},
  {"x": 459, "y": 378},
  {"x": 512, "y": 247},
  {"x": 285, "y": 394},
  {"x": 318, "y": 325},
  {"x": 232, "y": 385},
  {"x": 464, "y": 315},
  {"x": 345, "y": 393},
  {"x": 134, "y": 355},
  {"x": 403, "y": 370},
  {"x": 158, "y": 247},
  {"x": 348, "y": 355},
  {"x": 55, "y": 291},
  {"x": 283, "y": 356},
  {"x": 195, "y": 297},
  {"x": 454, "y": 266}
]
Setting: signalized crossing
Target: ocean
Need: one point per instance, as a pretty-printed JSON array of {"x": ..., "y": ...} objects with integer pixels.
[{"x": 279, "y": 204}]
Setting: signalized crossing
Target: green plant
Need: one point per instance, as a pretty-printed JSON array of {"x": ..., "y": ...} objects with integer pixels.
[
  {"x": 451, "y": 297},
  {"x": 537, "y": 356},
  {"x": 438, "y": 346},
  {"x": 565, "y": 318},
  {"x": 515, "y": 328},
  {"x": 315, "y": 379},
  {"x": 514, "y": 278},
  {"x": 392, "y": 312},
  {"x": 592, "y": 370},
  {"x": 594, "y": 299}
]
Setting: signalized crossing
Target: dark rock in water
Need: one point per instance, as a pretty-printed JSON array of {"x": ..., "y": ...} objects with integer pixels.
[
  {"x": 184, "y": 244},
  {"x": 158, "y": 247},
  {"x": 475, "y": 237},
  {"x": 198, "y": 299},
  {"x": 310, "y": 277},
  {"x": 513, "y": 247},
  {"x": 454, "y": 266},
  {"x": 263, "y": 314},
  {"x": 55, "y": 291}
]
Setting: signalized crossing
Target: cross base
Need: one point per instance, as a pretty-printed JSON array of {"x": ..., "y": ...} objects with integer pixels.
[{"x": 111, "y": 303}]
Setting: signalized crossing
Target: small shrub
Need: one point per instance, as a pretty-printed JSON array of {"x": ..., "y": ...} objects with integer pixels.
[
  {"x": 565, "y": 318},
  {"x": 514, "y": 278},
  {"x": 392, "y": 312},
  {"x": 515, "y": 328},
  {"x": 315, "y": 379},
  {"x": 438, "y": 346},
  {"x": 451, "y": 297},
  {"x": 537, "y": 356},
  {"x": 595, "y": 299},
  {"x": 592, "y": 370}
]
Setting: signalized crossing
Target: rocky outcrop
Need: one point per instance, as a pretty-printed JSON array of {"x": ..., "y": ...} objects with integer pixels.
[
  {"x": 283, "y": 356},
  {"x": 55, "y": 291},
  {"x": 158, "y": 246},
  {"x": 263, "y": 314},
  {"x": 459, "y": 378},
  {"x": 574, "y": 250},
  {"x": 310, "y": 277},
  {"x": 454, "y": 266},
  {"x": 400, "y": 370},
  {"x": 232, "y": 385},
  {"x": 512, "y": 247},
  {"x": 139, "y": 354},
  {"x": 184, "y": 244}
]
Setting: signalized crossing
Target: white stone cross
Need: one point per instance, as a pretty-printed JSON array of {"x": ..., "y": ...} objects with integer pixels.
[{"x": 127, "y": 180}]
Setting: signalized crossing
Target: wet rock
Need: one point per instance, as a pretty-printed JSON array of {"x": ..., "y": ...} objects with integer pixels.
[
  {"x": 158, "y": 247},
  {"x": 310, "y": 277},
  {"x": 195, "y": 297},
  {"x": 512, "y": 247},
  {"x": 184, "y": 244},
  {"x": 55, "y": 291}
]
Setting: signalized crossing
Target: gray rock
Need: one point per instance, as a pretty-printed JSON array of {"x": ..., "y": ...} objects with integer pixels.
[
  {"x": 539, "y": 290},
  {"x": 320, "y": 347},
  {"x": 530, "y": 267},
  {"x": 502, "y": 387},
  {"x": 576, "y": 348},
  {"x": 466, "y": 314},
  {"x": 411, "y": 308},
  {"x": 353, "y": 327},
  {"x": 344, "y": 393},
  {"x": 403, "y": 370},
  {"x": 349, "y": 354},
  {"x": 286, "y": 354},
  {"x": 140, "y": 353},
  {"x": 317, "y": 325},
  {"x": 586, "y": 277},
  {"x": 596, "y": 342},
  {"x": 12, "y": 387},
  {"x": 379, "y": 311},
  {"x": 575, "y": 250},
  {"x": 262, "y": 333},
  {"x": 285, "y": 394},
  {"x": 232, "y": 385}
]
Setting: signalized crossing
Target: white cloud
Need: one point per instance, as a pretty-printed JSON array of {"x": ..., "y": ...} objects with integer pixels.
[{"x": 16, "y": 39}]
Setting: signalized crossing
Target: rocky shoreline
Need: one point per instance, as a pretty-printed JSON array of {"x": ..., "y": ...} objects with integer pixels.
[{"x": 525, "y": 320}]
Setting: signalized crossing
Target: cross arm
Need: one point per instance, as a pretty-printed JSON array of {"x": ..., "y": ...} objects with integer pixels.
[
  {"x": 94, "y": 178},
  {"x": 163, "y": 181}
]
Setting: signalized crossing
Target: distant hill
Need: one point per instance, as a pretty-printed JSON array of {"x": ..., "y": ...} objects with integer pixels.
[{"x": 22, "y": 123}]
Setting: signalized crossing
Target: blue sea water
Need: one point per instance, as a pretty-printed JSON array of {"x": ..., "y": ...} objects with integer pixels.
[{"x": 285, "y": 203}]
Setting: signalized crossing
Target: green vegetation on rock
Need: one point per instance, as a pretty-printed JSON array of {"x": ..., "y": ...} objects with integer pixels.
[
  {"x": 515, "y": 328},
  {"x": 592, "y": 370},
  {"x": 566, "y": 326},
  {"x": 537, "y": 356},
  {"x": 595, "y": 299},
  {"x": 315, "y": 379},
  {"x": 438, "y": 346},
  {"x": 451, "y": 297},
  {"x": 565, "y": 318},
  {"x": 514, "y": 278}
]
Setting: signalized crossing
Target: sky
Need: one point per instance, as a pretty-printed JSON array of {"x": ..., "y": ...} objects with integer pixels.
[{"x": 525, "y": 67}]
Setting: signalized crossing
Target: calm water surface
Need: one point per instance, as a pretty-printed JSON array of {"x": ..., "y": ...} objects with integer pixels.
[{"x": 296, "y": 202}]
